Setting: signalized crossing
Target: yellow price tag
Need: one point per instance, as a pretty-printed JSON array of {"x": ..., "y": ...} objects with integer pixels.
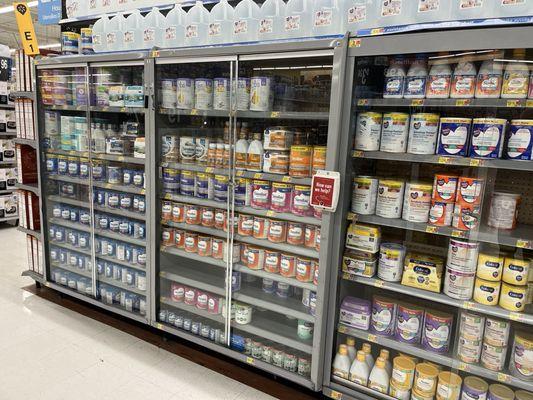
[
  {"x": 209, "y": 170},
  {"x": 362, "y": 102},
  {"x": 372, "y": 338},
  {"x": 335, "y": 395},
  {"x": 286, "y": 179},
  {"x": 462, "y": 102},
  {"x": 523, "y": 244},
  {"x": 159, "y": 326},
  {"x": 120, "y": 158},
  {"x": 122, "y": 109},
  {"x": 513, "y": 103},
  {"x": 258, "y": 175},
  {"x": 194, "y": 111},
  {"x": 468, "y": 305},
  {"x": 475, "y": 162},
  {"x": 155, "y": 53},
  {"x": 142, "y": 191},
  {"x": 458, "y": 234},
  {"x": 376, "y": 31},
  {"x": 417, "y": 102},
  {"x": 515, "y": 316},
  {"x": 250, "y": 360},
  {"x": 354, "y": 43},
  {"x": 239, "y": 173},
  {"x": 431, "y": 229},
  {"x": 503, "y": 377},
  {"x": 462, "y": 366},
  {"x": 270, "y": 213},
  {"x": 274, "y": 114},
  {"x": 444, "y": 160},
  {"x": 47, "y": 284},
  {"x": 379, "y": 284},
  {"x": 168, "y": 196},
  {"x": 529, "y": 103},
  {"x": 342, "y": 329},
  {"x": 358, "y": 154}
]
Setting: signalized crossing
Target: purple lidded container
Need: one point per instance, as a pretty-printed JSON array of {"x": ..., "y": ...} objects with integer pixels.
[
  {"x": 355, "y": 312},
  {"x": 383, "y": 315}
]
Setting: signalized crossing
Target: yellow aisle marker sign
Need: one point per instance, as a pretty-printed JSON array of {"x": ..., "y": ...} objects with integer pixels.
[{"x": 26, "y": 30}]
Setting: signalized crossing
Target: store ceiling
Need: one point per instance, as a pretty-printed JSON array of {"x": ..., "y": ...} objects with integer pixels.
[{"x": 9, "y": 35}]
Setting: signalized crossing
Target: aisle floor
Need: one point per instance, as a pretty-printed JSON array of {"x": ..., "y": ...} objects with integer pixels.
[{"x": 51, "y": 352}]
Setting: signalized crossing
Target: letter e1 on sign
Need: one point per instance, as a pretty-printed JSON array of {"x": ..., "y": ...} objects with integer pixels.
[
  {"x": 325, "y": 190},
  {"x": 26, "y": 30}
]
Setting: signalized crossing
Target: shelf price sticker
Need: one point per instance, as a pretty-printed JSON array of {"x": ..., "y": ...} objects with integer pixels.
[
  {"x": 524, "y": 244},
  {"x": 286, "y": 179},
  {"x": 417, "y": 102},
  {"x": 342, "y": 329},
  {"x": 462, "y": 366},
  {"x": 354, "y": 43},
  {"x": 274, "y": 114},
  {"x": 194, "y": 111},
  {"x": 462, "y": 102},
  {"x": 516, "y": 316},
  {"x": 362, "y": 102},
  {"x": 503, "y": 377},
  {"x": 335, "y": 395},
  {"x": 372, "y": 338},
  {"x": 476, "y": 162},
  {"x": 270, "y": 213},
  {"x": 513, "y": 103},
  {"x": 168, "y": 196},
  {"x": 238, "y": 173},
  {"x": 210, "y": 170},
  {"x": 444, "y": 160},
  {"x": 529, "y": 103},
  {"x": 431, "y": 229},
  {"x": 379, "y": 283},
  {"x": 468, "y": 305},
  {"x": 258, "y": 175},
  {"x": 358, "y": 154},
  {"x": 250, "y": 360},
  {"x": 159, "y": 326},
  {"x": 456, "y": 233}
]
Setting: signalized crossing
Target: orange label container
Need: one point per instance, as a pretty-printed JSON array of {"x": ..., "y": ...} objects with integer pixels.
[{"x": 444, "y": 188}]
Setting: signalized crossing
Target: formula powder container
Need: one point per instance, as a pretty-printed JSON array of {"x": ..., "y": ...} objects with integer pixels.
[
  {"x": 440, "y": 213},
  {"x": 500, "y": 392},
  {"x": 496, "y": 332},
  {"x": 445, "y": 188},
  {"x": 300, "y": 161},
  {"x": 368, "y": 131},
  {"x": 493, "y": 357},
  {"x": 355, "y": 312},
  {"x": 458, "y": 285},
  {"x": 417, "y": 201},
  {"x": 463, "y": 255},
  {"x": 436, "y": 331},
  {"x": 184, "y": 93},
  {"x": 391, "y": 257},
  {"x": 403, "y": 372},
  {"x": 390, "y": 198},
  {"x": 469, "y": 190},
  {"x": 516, "y": 272},
  {"x": 521, "y": 362},
  {"x": 203, "y": 94},
  {"x": 409, "y": 323},
  {"x": 487, "y": 137},
  {"x": 486, "y": 292},
  {"x": 168, "y": 93},
  {"x": 261, "y": 97},
  {"x": 503, "y": 210},
  {"x": 425, "y": 381},
  {"x": 513, "y": 298},
  {"x": 520, "y": 139},
  {"x": 394, "y": 132},
  {"x": 383, "y": 315},
  {"x": 448, "y": 386},
  {"x": 423, "y": 133},
  {"x": 489, "y": 267},
  {"x": 364, "y": 195},
  {"x": 221, "y": 94},
  {"x": 453, "y": 136},
  {"x": 474, "y": 388}
]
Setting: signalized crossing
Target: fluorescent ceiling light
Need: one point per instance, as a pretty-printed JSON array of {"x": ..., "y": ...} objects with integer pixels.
[
  {"x": 7, "y": 9},
  {"x": 50, "y": 46}
]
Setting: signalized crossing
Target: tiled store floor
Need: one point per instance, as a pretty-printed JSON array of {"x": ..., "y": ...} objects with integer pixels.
[{"x": 50, "y": 352}]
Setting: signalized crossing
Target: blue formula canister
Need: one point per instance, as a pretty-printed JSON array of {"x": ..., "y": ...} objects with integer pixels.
[
  {"x": 65, "y": 212},
  {"x": 187, "y": 183},
  {"x": 221, "y": 188},
  {"x": 114, "y": 224},
  {"x": 112, "y": 200},
  {"x": 127, "y": 176},
  {"x": 84, "y": 240},
  {"x": 70, "y": 42},
  {"x": 56, "y": 211},
  {"x": 520, "y": 140},
  {"x": 62, "y": 165},
  {"x": 100, "y": 267},
  {"x": 204, "y": 185},
  {"x": 453, "y": 136},
  {"x": 51, "y": 164},
  {"x": 73, "y": 166},
  {"x": 54, "y": 254},
  {"x": 138, "y": 178},
  {"x": 114, "y": 175},
  {"x": 73, "y": 238},
  {"x": 85, "y": 217},
  {"x": 126, "y": 201},
  {"x": 487, "y": 137},
  {"x": 63, "y": 256},
  {"x": 171, "y": 180},
  {"x": 125, "y": 227},
  {"x": 74, "y": 214},
  {"x": 60, "y": 234},
  {"x": 243, "y": 190},
  {"x": 98, "y": 171},
  {"x": 84, "y": 168}
]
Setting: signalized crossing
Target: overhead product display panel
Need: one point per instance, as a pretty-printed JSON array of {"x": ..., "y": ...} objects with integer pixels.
[
  {"x": 239, "y": 138},
  {"x": 431, "y": 290},
  {"x": 92, "y": 121}
]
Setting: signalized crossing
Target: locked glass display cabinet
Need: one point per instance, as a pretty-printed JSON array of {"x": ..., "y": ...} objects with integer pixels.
[
  {"x": 241, "y": 253},
  {"x": 92, "y": 123},
  {"x": 431, "y": 292}
]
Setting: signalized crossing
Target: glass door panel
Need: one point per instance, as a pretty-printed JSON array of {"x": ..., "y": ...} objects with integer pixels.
[
  {"x": 193, "y": 133},
  {"x": 118, "y": 119},
  {"x": 63, "y": 124}
]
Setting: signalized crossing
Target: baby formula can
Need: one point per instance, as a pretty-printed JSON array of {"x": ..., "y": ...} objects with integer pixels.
[
  {"x": 426, "y": 376},
  {"x": 368, "y": 131},
  {"x": 472, "y": 326},
  {"x": 466, "y": 217},
  {"x": 256, "y": 258},
  {"x": 383, "y": 315},
  {"x": 70, "y": 42},
  {"x": 503, "y": 210},
  {"x": 243, "y": 94},
  {"x": 221, "y": 94},
  {"x": 186, "y": 183},
  {"x": 496, "y": 332},
  {"x": 217, "y": 248},
  {"x": 301, "y": 196},
  {"x": 192, "y": 214},
  {"x": 521, "y": 362},
  {"x": 469, "y": 190},
  {"x": 276, "y": 162},
  {"x": 474, "y": 388},
  {"x": 409, "y": 323},
  {"x": 398, "y": 392},
  {"x": 463, "y": 255},
  {"x": 458, "y": 285},
  {"x": 394, "y": 132},
  {"x": 391, "y": 257},
  {"x": 220, "y": 188},
  {"x": 304, "y": 269},
  {"x": 300, "y": 160},
  {"x": 260, "y": 93},
  {"x": 295, "y": 233},
  {"x": 423, "y": 133},
  {"x": 516, "y": 271},
  {"x": 500, "y": 392},
  {"x": 277, "y": 231},
  {"x": 245, "y": 225},
  {"x": 204, "y": 185},
  {"x": 203, "y": 94},
  {"x": 310, "y": 236},
  {"x": 487, "y": 137},
  {"x": 493, "y": 357},
  {"x": 520, "y": 140},
  {"x": 191, "y": 242},
  {"x": 436, "y": 331},
  {"x": 445, "y": 188},
  {"x": 490, "y": 266},
  {"x": 319, "y": 159},
  {"x": 205, "y": 246},
  {"x": 390, "y": 198},
  {"x": 440, "y": 213},
  {"x": 187, "y": 149},
  {"x": 469, "y": 351},
  {"x": 243, "y": 190},
  {"x": 486, "y": 292},
  {"x": 185, "y": 93},
  {"x": 261, "y": 227},
  {"x": 417, "y": 201},
  {"x": 272, "y": 261},
  {"x": 403, "y": 372},
  {"x": 288, "y": 265},
  {"x": 260, "y": 194},
  {"x": 364, "y": 195},
  {"x": 448, "y": 386},
  {"x": 453, "y": 136},
  {"x": 168, "y": 93},
  {"x": 513, "y": 298},
  {"x": 207, "y": 216},
  {"x": 281, "y": 197},
  {"x": 178, "y": 212},
  {"x": 86, "y": 41}
]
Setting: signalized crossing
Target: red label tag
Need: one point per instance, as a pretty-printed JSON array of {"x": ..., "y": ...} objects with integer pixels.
[{"x": 322, "y": 191}]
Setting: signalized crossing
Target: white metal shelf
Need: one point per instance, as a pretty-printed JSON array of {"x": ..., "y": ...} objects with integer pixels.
[
  {"x": 278, "y": 215},
  {"x": 67, "y": 246},
  {"x": 446, "y": 103},
  {"x": 519, "y": 237},
  {"x": 285, "y": 247},
  {"x": 104, "y": 185},
  {"x": 35, "y": 234},
  {"x": 120, "y": 262},
  {"x": 195, "y": 168},
  {"x": 107, "y": 210},
  {"x": 447, "y": 360},
  {"x": 194, "y": 200},
  {"x": 23, "y": 94},
  {"x": 28, "y": 142},
  {"x": 120, "y": 237},
  {"x": 295, "y": 115},
  {"x": 247, "y": 294},
  {"x": 520, "y": 165},
  {"x": 274, "y": 177},
  {"x": 68, "y": 200},
  {"x": 34, "y": 275},
  {"x": 261, "y": 273},
  {"x": 495, "y": 311},
  {"x": 265, "y": 326},
  {"x": 122, "y": 110},
  {"x": 195, "y": 112},
  {"x": 31, "y": 187},
  {"x": 98, "y": 156},
  {"x": 69, "y": 224},
  {"x": 65, "y": 107}
]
